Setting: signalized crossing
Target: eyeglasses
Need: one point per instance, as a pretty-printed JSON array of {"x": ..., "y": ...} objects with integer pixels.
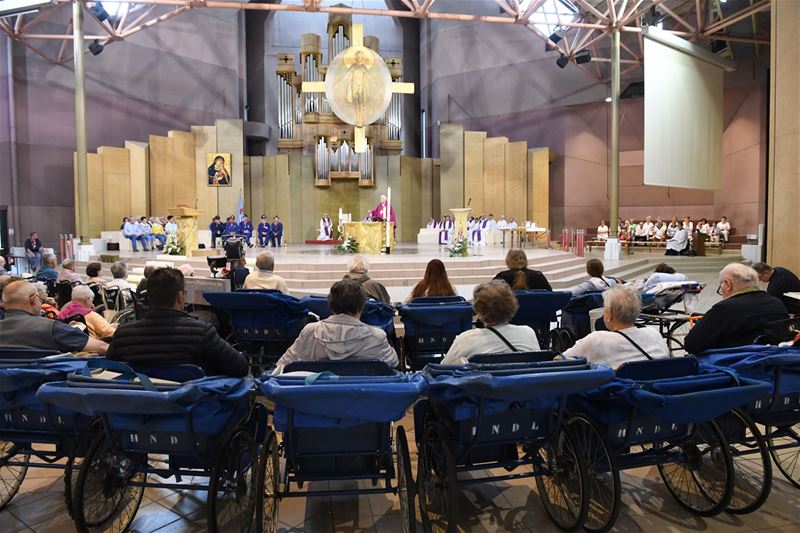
[{"x": 719, "y": 289}]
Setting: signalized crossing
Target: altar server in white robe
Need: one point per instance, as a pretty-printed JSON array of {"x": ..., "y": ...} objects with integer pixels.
[
  {"x": 512, "y": 223},
  {"x": 678, "y": 242},
  {"x": 446, "y": 230},
  {"x": 432, "y": 224},
  {"x": 491, "y": 230},
  {"x": 325, "y": 228},
  {"x": 602, "y": 231},
  {"x": 724, "y": 228},
  {"x": 476, "y": 233},
  {"x": 501, "y": 222}
]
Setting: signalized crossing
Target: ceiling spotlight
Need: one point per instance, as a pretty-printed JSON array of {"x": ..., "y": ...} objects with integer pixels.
[
  {"x": 95, "y": 47},
  {"x": 99, "y": 11},
  {"x": 608, "y": 99},
  {"x": 583, "y": 56},
  {"x": 562, "y": 61},
  {"x": 652, "y": 17},
  {"x": 556, "y": 36}
]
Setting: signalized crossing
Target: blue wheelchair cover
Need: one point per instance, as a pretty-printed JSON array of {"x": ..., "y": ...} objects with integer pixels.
[
  {"x": 260, "y": 310},
  {"x": 761, "y": 363},
  {"x": 695, "y": 398},
  {"x": 317, "y": 305},
  {"x": 539, "y": 305},
  {"x": 452, "y": 317},
  {"x": 537, "y": 385},
  {"x": 378, "y": 314},
  {"x": 326, "y": 400}
]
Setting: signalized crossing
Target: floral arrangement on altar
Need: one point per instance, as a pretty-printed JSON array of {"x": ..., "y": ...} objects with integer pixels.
[
  {"x": 459, "y": 247},
  {"x": 348, "y": 246},
  {"x": 173, "y": 246}
]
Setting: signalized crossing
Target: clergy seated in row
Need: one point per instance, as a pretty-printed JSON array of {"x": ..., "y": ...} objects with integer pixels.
[
  {"x": 168, "y": 335},
  {"x": 623, "y": 341},
  {"x": 745, "y": 313},
  {"x": 264, "y": 277},
  {"x": 519, "y": 276},
  {"x": 357, "y": 271},
  {"x": 342, "y": 335},
  {"x": 24, "y": 328},
  {"x": 495, "y": 305},
  {"x": 597, "y": 281}
]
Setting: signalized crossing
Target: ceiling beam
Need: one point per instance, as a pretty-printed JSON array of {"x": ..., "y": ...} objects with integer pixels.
[
  {"x": 678, "y": 18},
  {"x": 736, "y": 17},
  {"x": 593, "y": 10}
]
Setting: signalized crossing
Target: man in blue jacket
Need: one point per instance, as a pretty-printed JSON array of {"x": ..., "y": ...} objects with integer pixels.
[
  {"x": 277, "y": 231},
  {"x": 231, "y": 229},
  {"x": 246, "y": 230},
  {"x": 264, "y": 232},
  {"x": 216, "y": 228}
]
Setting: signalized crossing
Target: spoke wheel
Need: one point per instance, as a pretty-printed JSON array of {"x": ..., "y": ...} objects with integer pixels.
[
  {"x": 105, "y": 500},
  {"x": 788, "y": 459},
  {"x": 231, "y": 491},
  {"x": 405, "y": 482},
  {"x": 11, "y": 477},
  {"x": 75, "y": 459},
  {"x": 437, "y": 486},
  {"x": 562, "y": 480},
  {"x": 267, "y": 511},
  {"x": 751, "y": 463},
  {"x": 702, "y": 481},
  {"x": 603, "y": 475}
]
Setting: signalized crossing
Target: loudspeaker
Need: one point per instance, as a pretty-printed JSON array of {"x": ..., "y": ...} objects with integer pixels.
[{"x": 112, "y": 246}]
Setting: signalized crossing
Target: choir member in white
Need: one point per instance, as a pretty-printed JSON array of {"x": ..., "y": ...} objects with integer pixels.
[
  {"x": 501, "y": 222},
  {"x": 602, "y": 231},
  {"x": 661, "y": 231},
  {"x": 325, "y": 228},
  {"x": 724, "y": 228}
]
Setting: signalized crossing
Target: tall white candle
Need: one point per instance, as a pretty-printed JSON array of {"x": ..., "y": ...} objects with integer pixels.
[{"x": 388, "y": 217}]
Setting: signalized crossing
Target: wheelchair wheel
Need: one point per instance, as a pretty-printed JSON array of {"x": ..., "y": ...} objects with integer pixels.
[
  {"x": 105, "y": 498},
  {"x": 784, "y": 446},
  {"x": 437, "y": 486},
  {"x": 267, "y": 510},
  {"x": 11, "y": 477},
  {"x": 604, "y": 485},
  {"x": 75, "y": 459},
  {"x": 562, "y": 481},
  {"x": 751, "y": 463},
  {"x": 405, "y": 482},
  {"x": 703, "y": 479},
  {"x": 231, "y": 490},
  {"x": 561, "y": 339}
]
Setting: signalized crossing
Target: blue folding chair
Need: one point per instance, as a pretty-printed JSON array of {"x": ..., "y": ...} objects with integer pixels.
[
  {"x": 661, "y": 413},
  {"x": 210, "y": 430},
  {"x": 575, "y": 323},
  {"x": 538, "y": 309},
  {"x": 337, "y": 425},
  {"x": 430, "y": 328},
  {"x": 264, "y": 323}
]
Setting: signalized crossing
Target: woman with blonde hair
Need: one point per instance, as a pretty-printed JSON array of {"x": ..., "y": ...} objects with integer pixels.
[
  {"x": 433, "y": 283},
  {"x": 519, "y": 276}
]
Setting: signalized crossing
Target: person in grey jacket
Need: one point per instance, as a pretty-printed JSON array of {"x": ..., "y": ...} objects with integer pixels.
[{"x": 342, "y": 335}]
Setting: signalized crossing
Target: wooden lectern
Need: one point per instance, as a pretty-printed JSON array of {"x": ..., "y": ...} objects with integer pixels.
[
  {"x": 187, "y": 227},
  {"x": 460, "y": 215}
]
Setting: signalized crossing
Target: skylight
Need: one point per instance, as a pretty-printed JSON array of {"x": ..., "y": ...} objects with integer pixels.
[{"x": 550, "y": 15}]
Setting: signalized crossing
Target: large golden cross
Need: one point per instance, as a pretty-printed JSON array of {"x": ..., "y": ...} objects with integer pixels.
[{"x": 359, "y": 133}]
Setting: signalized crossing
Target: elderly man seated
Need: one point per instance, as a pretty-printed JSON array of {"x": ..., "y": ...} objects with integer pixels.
[
  {"x": 495, "y": 305},
  {"x": 48, "y": 269},
  {"x": 81, "y": 304},
  {"x": 68, "y": 272},
  {"x": 342, "y": 335},
  {"x": 264, "y": 278},
  {"x": 24, "y": 328},
  {"x": 168, "y": 335},
  {"x": 623, "y": 341},
  {"x": 744, "y": 313},
  {"x": 357, "y": 271}
]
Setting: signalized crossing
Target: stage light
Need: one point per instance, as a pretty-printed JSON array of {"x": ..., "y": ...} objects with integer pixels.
[
  {"x": 562, "y": 61},
  {"x": 556, "y": 36},
  {"x": 95, "y": 47},
  {"x": 99, "y": 11},
  {"x": 584, "y": 56},
  {"x": 10, "y": 8},
  {"x": 216, "y": 262}
]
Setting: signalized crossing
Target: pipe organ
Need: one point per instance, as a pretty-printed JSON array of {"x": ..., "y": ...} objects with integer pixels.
[{"x": 306, "y": 122}]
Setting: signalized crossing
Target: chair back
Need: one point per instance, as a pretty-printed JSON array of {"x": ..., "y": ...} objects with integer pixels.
[
  {"x": 431, "y": 327},
  {"x": 318, "y": 305},
  {"x": 346, "y": 367},
  {"x": 653, "y": 369},
  {"x": 98, "y": 296},
  {"x": 25, "y": 353},
  {"x": 778, "y": 331},
  {"x": 512, "y": 357},
  {"x": 575, "y": 315},
  {"x": 428, "y": 300},
  {"x": 538, "y": 309}
]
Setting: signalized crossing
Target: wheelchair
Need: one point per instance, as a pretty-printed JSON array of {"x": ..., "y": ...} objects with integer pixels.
[
  {"x": 538, "y": 309},
  {"x": 336, "y": 421},
  {"x": 660, "y": 311},
  {"x": 34, "y": 434},
  {"x": 431, "y": 325},
  {"x": 660, "y": 413},
  {"x": 155, "y": 434},
  {"x": 501, "y": 414},
  {"x": 777, "y": 411}
]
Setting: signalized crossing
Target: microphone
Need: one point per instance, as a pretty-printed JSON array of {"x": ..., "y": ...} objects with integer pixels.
[{"x": 469, "y": 202}]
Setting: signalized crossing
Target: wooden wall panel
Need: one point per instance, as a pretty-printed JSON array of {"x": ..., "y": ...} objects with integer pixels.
[
  {"x": 205, "y": 142},
  {"x": 248, "y": 206},
  {"x": 395, "y": 182},
  {"x": 94, "y": 175},
  {"x": 451, "y": 142},
  {"x": 473, "y": 169},
  {"x": 436, "y": 186},
  {"x": 312, "y": 203},
  {"x": 494, "y": 165},
  {"x": 116, "y": 185},
  {"x": 516, "y": 181},
  {"x": 161, "y": 189},
  {"x": 426, "y": 190},
  {"x": 410, "y": 201},
  {"x": 139, "y": 157},
  {"x": 184, "y": 182},
  {"x": 539, "y": 186},
  {"x": 291, "y": 212},
  {"x": 256, "y": 188},
  {"x": 230, "y": 139},
  {"x": 270, "y": 186}
]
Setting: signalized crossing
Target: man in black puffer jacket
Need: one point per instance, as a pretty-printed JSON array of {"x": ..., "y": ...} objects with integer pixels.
[{"x": 168, "y": 335}]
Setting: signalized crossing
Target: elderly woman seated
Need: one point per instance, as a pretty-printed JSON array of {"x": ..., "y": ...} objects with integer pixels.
[
  {"x": 81, "y": 304},
  {"x": 342, "y": 335},
  {"x": 623, "y": 341},
  {"x": 495, "y": 305}
]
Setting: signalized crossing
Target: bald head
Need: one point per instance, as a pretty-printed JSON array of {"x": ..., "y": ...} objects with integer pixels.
[
  {"x": 22, "y": 296},
  {"x": 736, "y": 277}
]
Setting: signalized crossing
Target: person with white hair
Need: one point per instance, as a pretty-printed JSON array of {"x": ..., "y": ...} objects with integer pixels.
[
  {"x": 623, "y": 341},
  {"x": 264, "y": 277},
  {"x": 119, "y": 271},
  {"x": 744, "y": 313},
  {"x": 68, "y": 272},
  {"x": 81, "y": 304},
  {"x": 357, "y": 271}
]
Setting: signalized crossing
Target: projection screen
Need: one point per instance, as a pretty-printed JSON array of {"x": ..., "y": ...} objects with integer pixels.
[{"x": 682, "y": 113}]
